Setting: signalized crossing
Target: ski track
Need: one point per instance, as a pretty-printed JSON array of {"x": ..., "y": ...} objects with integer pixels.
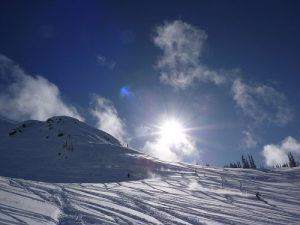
[{"x": 182, "y": 198}]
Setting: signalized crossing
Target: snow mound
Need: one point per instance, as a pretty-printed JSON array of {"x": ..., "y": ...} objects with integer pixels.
[
  {"x": 63, "y": 149},
  {"x": 60, "y": 127}
]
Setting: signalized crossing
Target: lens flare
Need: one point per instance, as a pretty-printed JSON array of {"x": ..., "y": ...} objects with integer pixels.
[{"x": 125, "y": 92}]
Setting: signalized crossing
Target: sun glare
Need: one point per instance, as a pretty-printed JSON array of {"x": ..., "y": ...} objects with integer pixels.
[{"x": 172, "y": 132}]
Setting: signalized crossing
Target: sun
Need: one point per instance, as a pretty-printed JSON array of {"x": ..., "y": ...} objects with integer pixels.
[{"x": 172, "y": 132}]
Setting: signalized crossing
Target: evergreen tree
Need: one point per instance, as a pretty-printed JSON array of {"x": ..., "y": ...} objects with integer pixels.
[
  {"x": 292, "y": 162},
  {"x": 251, "y": 161},
  {"x": 232, "y": 165},
  {"x": 245, "y": 162},
  {"x": 285, "y": 165}
]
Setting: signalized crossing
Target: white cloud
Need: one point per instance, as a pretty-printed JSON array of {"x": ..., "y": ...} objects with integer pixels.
[
  {"x": 30, "y": 97},
  {"x": 184, "y": 150},
  {"x": 107, "y": 117},
  {"x": 142, "y": 131},
  {"x": 182, "y": 46},
  {"x": 277, "y": 154},
  {"x": 262, "y": 103},
  {"x": 110, "y": 64},
  {"x": 249, "y": 140}
]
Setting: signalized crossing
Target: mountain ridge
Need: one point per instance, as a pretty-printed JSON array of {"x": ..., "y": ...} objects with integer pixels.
[{"x": 64, "y": 149}]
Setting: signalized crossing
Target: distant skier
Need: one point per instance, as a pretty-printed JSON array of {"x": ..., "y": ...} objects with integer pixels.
[
  {"x": 196, "y": 173},
  {"x": 257, "y": 195},
  {"x": 222, "y": 181},
  {"x": 128, "y": 175}
]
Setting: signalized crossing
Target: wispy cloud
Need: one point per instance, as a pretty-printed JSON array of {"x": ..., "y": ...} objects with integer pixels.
[
  {"x": 181, "y": 65},
  {"x": 182, "y": 46},
  {"x": 30, "y": 97},
  {"x": 261, "y": 103},
  {"x": 107, "y": 117},
  {"x": 249, "y": 139},
  {"x": 277, "y": 154},
  {"x": 110, "y": 64}
]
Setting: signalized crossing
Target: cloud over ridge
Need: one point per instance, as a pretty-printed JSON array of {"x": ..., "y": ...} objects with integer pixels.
[
  {"x": 30, "y": 97},
  {"x": 107, "y": 117},
  {"x": 185, "y": 150},
  {"x": 277, "y": 154}
]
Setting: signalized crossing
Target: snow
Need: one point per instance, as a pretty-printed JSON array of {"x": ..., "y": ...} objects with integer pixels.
[
  {"x": 88, "y": 183},
  {"x": 182, "y": 198},
  {"x": 63, "y": 149}
]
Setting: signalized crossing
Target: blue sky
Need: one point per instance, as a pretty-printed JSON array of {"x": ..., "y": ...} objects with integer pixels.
[{"x": 227, "y": 70}]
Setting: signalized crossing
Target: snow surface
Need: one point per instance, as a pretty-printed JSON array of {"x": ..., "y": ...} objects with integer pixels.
[{"x": 88, "y": 183}]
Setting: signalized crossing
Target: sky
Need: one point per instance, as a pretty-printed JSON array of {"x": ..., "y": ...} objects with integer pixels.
[{"x": 226, "y": 73}]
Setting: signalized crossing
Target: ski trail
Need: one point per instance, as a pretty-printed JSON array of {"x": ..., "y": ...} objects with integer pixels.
[{"x": 182, "y": 198}]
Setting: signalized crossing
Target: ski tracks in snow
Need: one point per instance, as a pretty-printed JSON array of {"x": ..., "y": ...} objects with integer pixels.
[{"x": 204, "y": 196}]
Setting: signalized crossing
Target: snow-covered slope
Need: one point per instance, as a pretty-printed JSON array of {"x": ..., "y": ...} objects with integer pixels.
[
  {"x": 182, "y": 198},
  {"x": 84, "y": 173},
  {"x": 63, "y": 149}
]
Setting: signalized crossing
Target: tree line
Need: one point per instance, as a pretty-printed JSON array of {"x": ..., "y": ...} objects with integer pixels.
[
  {"x": 248, "y": 163},
  {"x": 291, "y": 163}
]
